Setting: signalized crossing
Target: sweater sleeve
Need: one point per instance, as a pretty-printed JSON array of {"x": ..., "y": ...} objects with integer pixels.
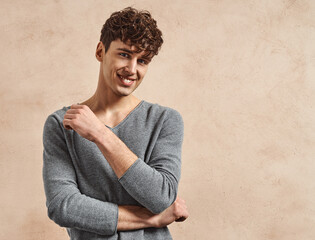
[
  {"x": 154, "y": 184},
  {"x": 66, "y": 205}
]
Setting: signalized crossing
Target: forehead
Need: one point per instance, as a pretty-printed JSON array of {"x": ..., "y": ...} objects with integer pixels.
[{"x": 120, "y": 44}]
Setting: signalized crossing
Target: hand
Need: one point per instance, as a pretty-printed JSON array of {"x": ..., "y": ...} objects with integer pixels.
[
  {"x": 176, "y": 212},
  {"x": 81, "y": 119}
]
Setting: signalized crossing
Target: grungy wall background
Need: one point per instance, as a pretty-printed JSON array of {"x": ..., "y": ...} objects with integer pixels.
[{"x": 240, "y": 72}]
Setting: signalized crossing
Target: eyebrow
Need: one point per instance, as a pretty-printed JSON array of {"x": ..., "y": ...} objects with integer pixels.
[
  {"x": 126, "y": 50},
  {"x": 132, "y": 52}
]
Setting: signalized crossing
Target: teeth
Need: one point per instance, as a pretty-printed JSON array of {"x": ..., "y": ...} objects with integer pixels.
[{"x": 127, "y": 80}]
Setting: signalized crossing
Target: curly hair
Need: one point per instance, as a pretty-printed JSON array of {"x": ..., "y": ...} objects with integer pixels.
[{"x": 136, "y": 28}]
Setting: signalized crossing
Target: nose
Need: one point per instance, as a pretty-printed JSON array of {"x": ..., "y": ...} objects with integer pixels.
[{"x": 132, "y": 66}]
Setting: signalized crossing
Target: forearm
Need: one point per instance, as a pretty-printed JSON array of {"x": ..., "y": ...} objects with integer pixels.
[
  {"x": 117, "y": 154},
  {"x": 134, "y": 217}
]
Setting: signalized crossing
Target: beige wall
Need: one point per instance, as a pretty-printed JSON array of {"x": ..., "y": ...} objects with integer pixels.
[{"x": 240, "y": 72}]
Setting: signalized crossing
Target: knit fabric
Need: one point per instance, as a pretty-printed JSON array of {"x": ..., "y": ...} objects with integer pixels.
[{"x": 82, "y": 190}]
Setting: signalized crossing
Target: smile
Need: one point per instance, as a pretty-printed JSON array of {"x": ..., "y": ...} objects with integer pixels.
[{"x": 125, "y": 80}]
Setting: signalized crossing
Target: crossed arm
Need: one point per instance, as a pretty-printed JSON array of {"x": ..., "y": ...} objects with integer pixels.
[
  {"x": 134, "y": 217},
  {"x": 84, "y": 122}
]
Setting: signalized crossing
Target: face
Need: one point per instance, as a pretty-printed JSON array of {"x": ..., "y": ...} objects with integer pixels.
[{"x": 123, "y": 68}]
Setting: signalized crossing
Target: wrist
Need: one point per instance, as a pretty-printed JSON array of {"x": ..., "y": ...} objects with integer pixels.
[
  {"x": 99, "y": 135},
  {"x": 153, "y": 221},
  {"x": 149, "y": 219}
]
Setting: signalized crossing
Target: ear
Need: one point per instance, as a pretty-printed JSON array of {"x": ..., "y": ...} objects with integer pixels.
[{"x": 100, "y": 50}]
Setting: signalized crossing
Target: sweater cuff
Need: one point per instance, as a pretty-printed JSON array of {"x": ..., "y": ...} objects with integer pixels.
[{"x": 130, "y": 171}]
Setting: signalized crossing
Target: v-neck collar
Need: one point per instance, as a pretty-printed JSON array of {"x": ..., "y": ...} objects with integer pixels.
[{"x": 128, "y": 115}]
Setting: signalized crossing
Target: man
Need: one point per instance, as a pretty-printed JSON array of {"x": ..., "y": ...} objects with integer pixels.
[{"x": 112, "y": 163}]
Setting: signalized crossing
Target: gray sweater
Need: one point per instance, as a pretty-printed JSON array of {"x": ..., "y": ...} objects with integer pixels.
[{"x": 83, "y": 192}]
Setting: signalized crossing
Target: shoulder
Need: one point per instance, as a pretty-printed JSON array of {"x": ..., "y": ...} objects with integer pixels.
[
  {"x": 55, "y": 119},
  {"x": 162, "y": 113}
]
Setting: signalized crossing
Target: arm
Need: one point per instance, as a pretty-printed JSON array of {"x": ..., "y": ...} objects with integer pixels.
[
  {"x": 81, "y": 119},
  {"x": 66, "y": 205},
  {"x": 152, "y": 184},
  {"x": 134, "y": 217}
]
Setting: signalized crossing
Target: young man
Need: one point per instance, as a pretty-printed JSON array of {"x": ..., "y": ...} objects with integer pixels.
[{"x": 112, "y": 163}]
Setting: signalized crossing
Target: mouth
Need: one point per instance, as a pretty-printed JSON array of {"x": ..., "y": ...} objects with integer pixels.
[{"x": 127, "y": 81}]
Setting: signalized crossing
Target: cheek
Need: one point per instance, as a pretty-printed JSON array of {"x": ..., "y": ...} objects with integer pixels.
[
  {"x": 143, "y": 72},
  {"x": 118, "y": 64},
  {"x": 113, "y": 64}
]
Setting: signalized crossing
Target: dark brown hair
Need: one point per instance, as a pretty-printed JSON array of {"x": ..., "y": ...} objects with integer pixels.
[{"x": 133, "y": 27}]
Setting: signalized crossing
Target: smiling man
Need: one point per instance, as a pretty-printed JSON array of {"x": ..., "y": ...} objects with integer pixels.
[{"x": 112, "y": 163}]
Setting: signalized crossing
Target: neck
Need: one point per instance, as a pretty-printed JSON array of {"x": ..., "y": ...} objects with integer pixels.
[
  {"x": 101, "y": 102},
  {"x": 105, "y": 101}
]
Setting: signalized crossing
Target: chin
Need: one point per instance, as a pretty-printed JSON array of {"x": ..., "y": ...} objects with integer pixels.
[{"x": 123, "y": 93}]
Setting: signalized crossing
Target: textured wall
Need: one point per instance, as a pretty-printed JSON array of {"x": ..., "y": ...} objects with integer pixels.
[{"x": 240, "y": 72}]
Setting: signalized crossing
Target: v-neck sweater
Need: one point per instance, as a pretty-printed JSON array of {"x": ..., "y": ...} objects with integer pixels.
[{"x": 82, "y": 191}]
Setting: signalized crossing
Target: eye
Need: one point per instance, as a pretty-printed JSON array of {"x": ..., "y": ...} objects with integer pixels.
[
  {"x": 142, "y": 61},
  {"x": 124, "y": 55}
]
